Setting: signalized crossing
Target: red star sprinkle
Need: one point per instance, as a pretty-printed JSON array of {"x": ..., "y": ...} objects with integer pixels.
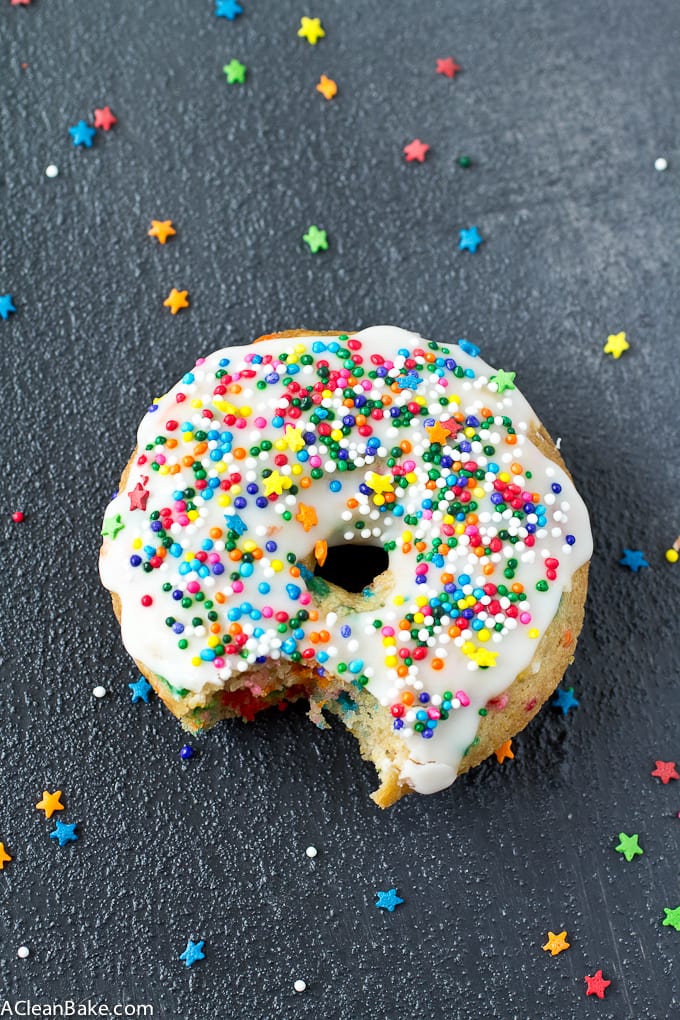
[
  {"x": 104, "y": 118},
  {"x": 448, "y": 67},
  {"x": 138, "y": 497},
  {"x": 665, "y": 771},
  {"x": 596, "y": 984},
  {"x": 416, "y": 150}
]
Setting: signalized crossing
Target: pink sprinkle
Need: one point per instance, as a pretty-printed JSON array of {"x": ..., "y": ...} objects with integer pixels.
[
  {"x": 366, "y": 385},
  {"x": 433, "y": 713},
  {"x": 260, "y": 423},
  {"x": 237, "y": 586},
  {"x": 387, "y": 631},
  {"x": 305, "y": 598},
  {"x": 525, "y": 617},
  {"x": 498, "y": 703},
  {"x": 160, "y": 458},
  {"x": 267, "y": 612},
  {"x": 315, "y": 461},
  {"x": 218, "y": 663},
  {"x": 193, "y": 587},
  {"x": 180, "y": 505},
  {"x": 427, "y": 515},
  {"x": 447, "y": 529},
  {"x": 213, "y": 557},
  {"x": 463, "y": 698},
  {"x": 409, "y": 465},
  {"x": 241, "y": 423},
  {"x": 183, "y": 520}
]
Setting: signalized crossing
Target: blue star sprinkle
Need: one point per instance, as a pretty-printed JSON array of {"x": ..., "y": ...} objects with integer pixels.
[
  {"x": 565, "y": 700},
  {"x": 471, "y": 349},
  {"x": 193, "y": 952},
  {"x": 409, "y": 382},
  {"x": 64, "y": 833},
  {"x": 634, "y": 559},
  {"x": 82, "y": 134},
  {"x": 140, "y": 690},
  {"x": 235, "y": 523},
  {"x": 388, "y": 900},
  {"x": 470, "y": 240},
  {"x": 227, "y": 9},
  {"x": 6, "y": 306}
]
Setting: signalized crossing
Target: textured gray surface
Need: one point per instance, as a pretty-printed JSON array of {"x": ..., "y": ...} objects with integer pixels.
[{"x": 563, "y": 108}]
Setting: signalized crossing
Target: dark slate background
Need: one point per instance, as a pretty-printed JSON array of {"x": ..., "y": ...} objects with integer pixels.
[{"x": 563, "y": 109}]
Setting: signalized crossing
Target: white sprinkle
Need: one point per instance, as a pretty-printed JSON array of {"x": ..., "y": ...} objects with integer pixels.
[
  {"x": 23, "y": 952},
  {"x": 99, "y": 692},
  {"x": 300, "y": 985},
  {"x": 52, "y": 171},
  {"x": 311, "y": 851},
  {"x": 660, "y": 163}
]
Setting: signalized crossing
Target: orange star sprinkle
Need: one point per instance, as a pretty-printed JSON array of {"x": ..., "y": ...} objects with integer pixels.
[
  {"x": 176, "y": 300},
  {"x": 50, "y": 803},
  {"x": 162, "y": 229},
  {"x": 556, "y": 944},
  {"x": 327, "y": 87},
  {"x": 437, "y": 432},
  {"x": 504, "y": 751},
  {"x": 4, "y": 856},
  {"x": 321, "y": 551},
  {"x": 307, "y": 516}
]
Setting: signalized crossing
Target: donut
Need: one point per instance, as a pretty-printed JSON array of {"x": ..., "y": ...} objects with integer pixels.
[{"x": 374, "y": 522}]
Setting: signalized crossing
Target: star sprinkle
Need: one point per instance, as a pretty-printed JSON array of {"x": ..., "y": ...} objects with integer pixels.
[
  {"x": 104, "y": 118},
  {"x": 504, "y": 751},
  {"x": 306, "y": 516},
  {"x": 629, "y": 846},
  {"x": 388, "y": 900},
  {"x": 470, "y": 240},
  {"x": 140, "y": 690},
  {"x": 565, "y": 700},
  {"x": 311, "y": 30},
  {"x": 162, "y": 230},
  {"x": 6, "y": 306},
  {"x": 193, "y": 952},
  {"x": 235, "y": 72},
  {"x": 556, "y": 944},
  {"x": 671, "y": 920},
  {"x": 616, "y": 344},
  {"x": 82, "y": 134},
  {"x": 380, "y": 483},
  {"x": 138, "y": 497},
  {"x": 275, "y": 483},
  {"x": 50, "y": 803},
  {"x": 65, "y": 833},
  {"x": 665, "y": 771},
  {"x": 416, "y": 151},
  {"x": 236, "y": 523},
  {"x": 437, "y": 433},
  {"x": 448, "y": 67},
  {"x": 228, "y": 9},
  {"x": 315, "y": 239},
  {"x": 112, "y": 525},
  {"x": 176, "y": 300},
  {"x": 503, "y": 380},
  {"x": 634, "y": 559},
  {"x": 5, "y": 858},
  {"x": 596, "y": 984},
  {"x": 327, "y": 87}
]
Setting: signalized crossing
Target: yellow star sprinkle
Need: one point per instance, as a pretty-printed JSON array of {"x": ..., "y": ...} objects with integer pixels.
[
  {"x": 311, "y": 30},
  {"x": 294, "y": 439},
  {"x": 275, "y": 483},
  {"x": 504, "y": 751},
  {"x": 50, "y": 803},
  {"x": 379, "y": 483},
  {"x": 307, "y": 517},
  {"x": 616, "y": 344},
  {"x": 4, "y": 856},
  {"x": 556, "y": 944},
  {"x": 486, "y": 658}
]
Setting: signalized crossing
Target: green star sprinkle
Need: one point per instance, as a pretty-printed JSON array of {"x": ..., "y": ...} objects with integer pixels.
[
  {"x": 316, "y": 239},
  {"x": 112, "y": 525},
  {"x": 235, "y": 72},
  {"x": 504, "y": 380},
  {"x": 672, "y": 918},
  {"x": 628, "y": 846}
]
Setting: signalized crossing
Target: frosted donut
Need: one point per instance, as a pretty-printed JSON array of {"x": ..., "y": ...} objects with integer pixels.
[{"x": 372, "y": 521}]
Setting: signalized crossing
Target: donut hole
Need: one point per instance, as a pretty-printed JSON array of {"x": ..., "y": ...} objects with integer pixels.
[{"x": 353, "y": 567}]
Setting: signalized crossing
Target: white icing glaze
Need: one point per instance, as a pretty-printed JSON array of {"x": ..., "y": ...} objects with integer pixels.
[{"x": 366, "y": 651}]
